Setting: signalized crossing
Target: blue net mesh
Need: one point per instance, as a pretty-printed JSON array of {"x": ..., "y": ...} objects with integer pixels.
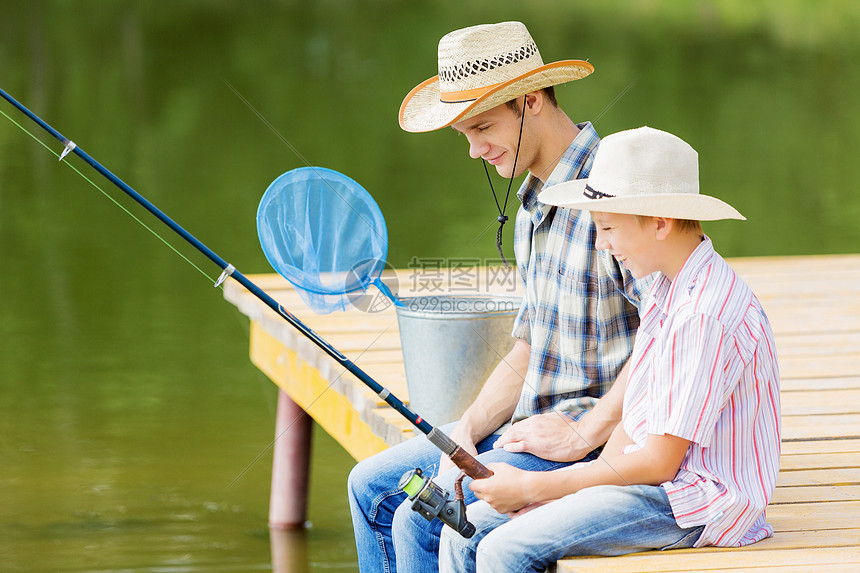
[{"x": 325, "y": 234}]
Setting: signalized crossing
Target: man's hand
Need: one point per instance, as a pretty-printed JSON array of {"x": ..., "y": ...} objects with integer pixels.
[
  {"x": 551, "y": 436},
  {"x": 464, "y": 441},
  {"x": 506, "y": 491}
]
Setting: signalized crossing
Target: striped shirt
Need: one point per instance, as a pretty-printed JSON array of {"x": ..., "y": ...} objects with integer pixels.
[
  {"x": 704, "y": 368},
  {"x": 578, "y": 310}
]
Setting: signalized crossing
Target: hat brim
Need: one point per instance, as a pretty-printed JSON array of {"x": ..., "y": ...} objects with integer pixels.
[
  {"x": 694, "y": 207},
  {"x": 423, "y": 110}
]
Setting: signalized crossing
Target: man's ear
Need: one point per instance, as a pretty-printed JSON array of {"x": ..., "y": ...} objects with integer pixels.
[{"x": 535, "y": 101}]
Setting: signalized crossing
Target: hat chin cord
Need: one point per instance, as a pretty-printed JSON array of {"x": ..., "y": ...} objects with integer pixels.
[{"x": 502, "y": 218}]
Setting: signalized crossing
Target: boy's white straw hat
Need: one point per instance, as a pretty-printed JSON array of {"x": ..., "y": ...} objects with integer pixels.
[
  {"x": 642, "y": 171},
  {"x": 479, "y": 68}
]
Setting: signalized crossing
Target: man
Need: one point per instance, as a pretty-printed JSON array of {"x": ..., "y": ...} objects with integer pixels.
[
  {"x": 695, "y": 460},
  {"x": 578, "y": 317}
]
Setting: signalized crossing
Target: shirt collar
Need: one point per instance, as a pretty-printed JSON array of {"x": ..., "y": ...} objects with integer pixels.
[
  {"x": 666, "y": 294},
  {"x": 575, "y": 163}
]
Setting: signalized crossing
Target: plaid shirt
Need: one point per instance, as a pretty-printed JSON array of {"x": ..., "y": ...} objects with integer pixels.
[{"x": 579, "y": 310}]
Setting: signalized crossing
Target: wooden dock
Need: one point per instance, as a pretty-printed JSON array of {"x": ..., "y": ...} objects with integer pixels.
[{"x": 814, "y": 306}]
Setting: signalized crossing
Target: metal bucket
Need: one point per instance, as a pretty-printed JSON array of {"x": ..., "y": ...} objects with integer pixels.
[{"x": 450, "y": 346}]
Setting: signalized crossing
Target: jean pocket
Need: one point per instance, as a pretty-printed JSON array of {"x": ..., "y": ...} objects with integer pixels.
[{"x": 689, "y": 540}]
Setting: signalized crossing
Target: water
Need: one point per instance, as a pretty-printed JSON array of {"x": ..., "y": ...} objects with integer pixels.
[{"x": 134, "y": 432}]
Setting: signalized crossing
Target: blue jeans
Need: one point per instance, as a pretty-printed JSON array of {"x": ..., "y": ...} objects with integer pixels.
[
  {"x": 601, "y": 520},
  {"x": 389, "y": 535}
]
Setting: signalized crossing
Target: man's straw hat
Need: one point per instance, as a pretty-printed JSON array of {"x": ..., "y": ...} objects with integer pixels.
[
  {"x": 642, "y": 171},
  {"x": 479, "y": 68}
]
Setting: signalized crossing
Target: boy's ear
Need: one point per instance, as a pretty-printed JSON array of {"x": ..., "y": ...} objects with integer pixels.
[{"x": 663, "y": 227}]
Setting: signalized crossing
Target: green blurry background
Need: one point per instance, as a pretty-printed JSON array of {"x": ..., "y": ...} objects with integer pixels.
[{"x": 131, "y": 421}]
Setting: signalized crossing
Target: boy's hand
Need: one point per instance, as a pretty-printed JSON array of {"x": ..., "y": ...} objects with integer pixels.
[
  {"x": 506, "y": 491},
  {"x": 551, "y": 436}
]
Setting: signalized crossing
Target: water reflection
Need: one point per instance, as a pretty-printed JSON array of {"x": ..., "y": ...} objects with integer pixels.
[{"x": 289, "y": 550}]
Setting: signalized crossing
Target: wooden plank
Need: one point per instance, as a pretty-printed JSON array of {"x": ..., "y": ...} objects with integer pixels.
[
  {"x": 388, "y": 372},
  {"x": 358, "y": 341},
  {"x": 352, "y": 322},
  {"x": 349, "y": 322},
  {"x": 394, "y": 428},
  {"x": 841, "y": 568},
  {"x": 818, "y": 343},
  {"x": 788, "y": 384},
  {"x": 820, "y": 446},
  {"x": 372, "y": 357},
  {"x": 821, "y": 402},
  {"x": 780, "y": 276},
  {"x": 821, "y": 460},
  {"x": 815, "y": 493},
  {"x": 811, "y": 558},
  {"x": 776, "y": 291},
  {"x": 801, "y": 516},
  {"x": 780, "y": 303},
  {"x": 835, "y": 476},
  {"x": 820, "y": 427},
  {"x": 826, "y": 301},
  {"x": 820, "y": 367},
  {"x": 806, "y": 265}
]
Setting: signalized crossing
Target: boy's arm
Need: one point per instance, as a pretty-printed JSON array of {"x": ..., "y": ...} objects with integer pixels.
[
  {"x": 495, "y": 403},
  {"x": 616, "y": 443},
  {"x": 554, "y": 436},
  {"x": 657, "y": 462}
]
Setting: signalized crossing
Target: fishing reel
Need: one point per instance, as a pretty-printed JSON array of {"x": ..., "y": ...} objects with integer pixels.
[{"x": 431, "y": 501}]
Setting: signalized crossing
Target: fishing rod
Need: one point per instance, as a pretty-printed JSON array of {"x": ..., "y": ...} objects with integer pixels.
[{"x": 460, "y": 457}]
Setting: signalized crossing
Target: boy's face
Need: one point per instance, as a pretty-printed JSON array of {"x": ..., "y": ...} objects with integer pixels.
[
  {"x": 632, "y": 241},
  {"x": 493, "y": 135}
]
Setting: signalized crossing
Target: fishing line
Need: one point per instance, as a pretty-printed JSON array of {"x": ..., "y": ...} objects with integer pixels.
[
  {"x": 601, "y": 114},
  {"x": 613, "y": 102},
  {"x": 463, "y": 459},
  {"x": 503, "y": 218},
  {"x": 594, "y": 122},
  {"x": 293, "y": 148},
  {"x": 63, "y": 159},
  {"x": 566, "y": 419},
  {"x": 304, "y": 412},
  {"x": 110, "y": 197}
]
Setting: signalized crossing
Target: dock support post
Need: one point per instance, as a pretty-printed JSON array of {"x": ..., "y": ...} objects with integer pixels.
[{"x": 290, "y": 465}]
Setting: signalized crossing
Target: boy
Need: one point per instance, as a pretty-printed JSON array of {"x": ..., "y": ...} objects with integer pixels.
[{"x": 696, "y": 456}]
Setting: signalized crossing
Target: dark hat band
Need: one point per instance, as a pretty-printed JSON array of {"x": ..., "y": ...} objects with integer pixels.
[{"x": 590, "y": 193}]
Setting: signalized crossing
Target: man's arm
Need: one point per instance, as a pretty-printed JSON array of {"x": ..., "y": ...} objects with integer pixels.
[
  {"x": 554, "y": 436},
  {"x": 495, "y": 403},
  {"x": 511, "y": 489}
]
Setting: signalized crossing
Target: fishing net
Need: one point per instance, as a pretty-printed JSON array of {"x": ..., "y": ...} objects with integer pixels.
[{"x": 325, "y": 234}]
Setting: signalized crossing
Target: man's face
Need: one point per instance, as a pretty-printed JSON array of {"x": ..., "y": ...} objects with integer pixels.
[
  {"x": 493, "y": 135},
  {"x": 630, "y": 240}
]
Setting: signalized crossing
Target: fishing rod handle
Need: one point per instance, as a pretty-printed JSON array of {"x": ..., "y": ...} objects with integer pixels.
[
  {"x": 470, "y": 466},
  {"x": 461, "y": 458}
]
